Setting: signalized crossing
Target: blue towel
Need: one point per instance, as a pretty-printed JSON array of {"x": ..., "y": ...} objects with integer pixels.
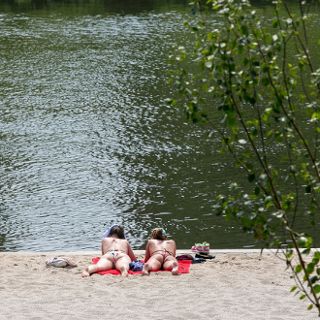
[{"x": 136, "y": 265}]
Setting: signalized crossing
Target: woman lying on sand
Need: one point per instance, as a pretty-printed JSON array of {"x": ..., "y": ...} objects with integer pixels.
[
  {"x": 116, "y": 253},
  {"x": 160, "y": 253}
]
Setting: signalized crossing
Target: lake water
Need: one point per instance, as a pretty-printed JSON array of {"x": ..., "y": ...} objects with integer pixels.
[{"x": 85, "y": 137}]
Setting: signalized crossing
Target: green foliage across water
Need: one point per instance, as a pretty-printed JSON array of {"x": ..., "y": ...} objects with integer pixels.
[{"x": 95, "y": 7}]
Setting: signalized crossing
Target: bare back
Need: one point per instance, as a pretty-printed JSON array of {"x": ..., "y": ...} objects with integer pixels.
[
  {"x": 116, "y": 253},
  {"x": 155, "y": 245},
  {"x": 111, "y": 243}
]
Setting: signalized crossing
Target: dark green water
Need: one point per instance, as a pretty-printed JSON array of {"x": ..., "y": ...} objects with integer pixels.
[{"x": 85, "y": 138}]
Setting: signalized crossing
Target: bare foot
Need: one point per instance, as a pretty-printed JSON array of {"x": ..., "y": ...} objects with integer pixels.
[
  {"x": 124, "y": 271},
  {"x": 85, "y": 273},
  {"x": 175, "y": 269},
  {"x": 146, "y": 270}
]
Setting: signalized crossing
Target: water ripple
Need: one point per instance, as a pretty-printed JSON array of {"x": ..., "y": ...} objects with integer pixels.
[{"x": 86, "y": 140}]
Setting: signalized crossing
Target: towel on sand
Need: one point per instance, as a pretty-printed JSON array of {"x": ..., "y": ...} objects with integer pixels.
[
  {"x": 60, "y": 262},
  {"x": 184, "y": 267}
]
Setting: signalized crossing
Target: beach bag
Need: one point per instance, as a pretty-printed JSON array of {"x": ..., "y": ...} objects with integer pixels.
[
  {"x": 60, "y": 262},
  {"x": 203, "y": 247},
  {"x": 185, "y": 257}
]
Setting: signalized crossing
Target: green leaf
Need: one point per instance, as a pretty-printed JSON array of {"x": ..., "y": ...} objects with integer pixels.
[
  {"x": 317, "y": 255},
  {"x": 310, "y": 306},
  {"x": 315, "y": 116},
  {"x": 315, "y": 260},
  {"x": 310, "y": 268},
  {"x": 298, "y": 268},
  {"x": 289, "y": 253},
  {"x": 251, "y": 177},
  {"x": 266, "y": 114},
  {"x": 294, "y": 288},
  {"x": 275, "y": 23},
  {"x": 305, "y": 241},
  {"x": 306, "y": 251},
  {"x": 254, "y": 131},
  {"x": 314, "y": 279},
  {"x": 244, "y": 29},
  {"x": 302, "y": 296},
  {"x": 316, "y": 288},
  {"x": 308, "y": 189}
]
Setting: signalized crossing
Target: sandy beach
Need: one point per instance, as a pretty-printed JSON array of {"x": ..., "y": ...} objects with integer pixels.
[{"x": 235, "y": 285}]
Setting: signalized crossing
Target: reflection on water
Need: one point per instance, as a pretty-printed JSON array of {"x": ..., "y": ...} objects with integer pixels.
[
  {"x": 91, "y": 7},
  {"x": 85, "y": 138}
]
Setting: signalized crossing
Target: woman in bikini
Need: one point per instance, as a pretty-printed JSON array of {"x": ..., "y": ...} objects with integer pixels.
[
  {"x": 116, "y": 253},
  {"x": 160, "y": 253}
]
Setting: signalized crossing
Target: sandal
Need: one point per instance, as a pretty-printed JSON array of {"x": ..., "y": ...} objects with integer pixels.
[{"x": 204, "y": 256}]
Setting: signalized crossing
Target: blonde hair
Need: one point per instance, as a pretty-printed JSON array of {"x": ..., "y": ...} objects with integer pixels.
[{"x": 158, "y": 233}]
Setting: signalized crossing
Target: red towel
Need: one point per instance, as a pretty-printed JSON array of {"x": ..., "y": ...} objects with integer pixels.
[{"x": 184, "y": 267}]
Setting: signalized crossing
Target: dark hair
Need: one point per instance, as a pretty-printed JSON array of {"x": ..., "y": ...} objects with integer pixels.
[
  {"x": 118, "y": 231},
  {"x": 158, "y": 233}
]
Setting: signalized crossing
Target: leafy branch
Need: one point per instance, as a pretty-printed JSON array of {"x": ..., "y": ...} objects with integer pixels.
[{"x": 252, "y": 72}]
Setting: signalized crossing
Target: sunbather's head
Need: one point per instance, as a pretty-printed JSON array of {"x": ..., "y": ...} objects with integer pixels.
[
  {"x": 158, "y": 233},
  {"x": 117, "y": 231}
]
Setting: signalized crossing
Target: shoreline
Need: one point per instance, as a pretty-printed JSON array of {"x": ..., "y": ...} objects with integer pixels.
[
  {"x": 236, "y": 285},
  {"x": 88, "y": 252},
  {"x": 141, "y": 252}
]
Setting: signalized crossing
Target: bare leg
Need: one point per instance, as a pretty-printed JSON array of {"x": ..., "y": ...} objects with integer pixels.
[
  {"x": 146, "y": 269},
  {"x": 171, "y": 264},
  {"x": 175, "y": 268},
  {"x": 85, "y": 272},
  {"x": 103, "y": 264},
  {"x": 151, "y": 265},
  {"x": 123, "y": 265}
]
